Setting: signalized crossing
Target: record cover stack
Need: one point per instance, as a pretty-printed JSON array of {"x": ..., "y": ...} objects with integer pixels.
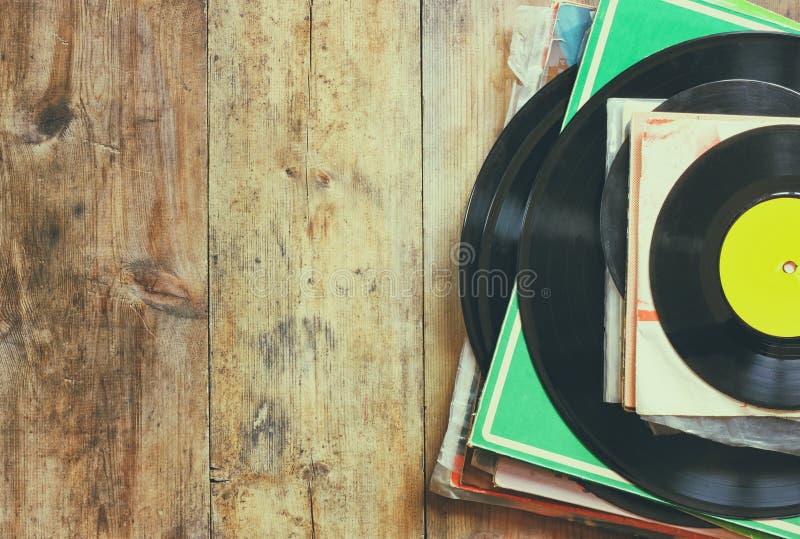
[{"x": 644, "y": 371}]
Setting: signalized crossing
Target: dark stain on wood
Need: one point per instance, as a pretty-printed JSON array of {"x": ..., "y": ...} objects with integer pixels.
[
  {"x": 102, "y": 521},
  {"x": 54, "y": 118},
  {"x": 277, "y": 346},
  {"x": 41, "y": 236},
  {"x": 51, "y": 234},
  {"x": 315, "y": 327}
]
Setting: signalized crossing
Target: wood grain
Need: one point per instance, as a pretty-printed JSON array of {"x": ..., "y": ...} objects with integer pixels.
[
  {"x": 316, "y": 315},
  {"x": 103, "y": 332},
  {"x": 787, "y": 8}
]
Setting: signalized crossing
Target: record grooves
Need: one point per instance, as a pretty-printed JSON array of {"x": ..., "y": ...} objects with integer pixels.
[
  {"x": 737, "y": 97},
  {"x": 497, "y": 255},
  {"x": 729, "y": 179},
  {"x": 564, "y": 332},
  {"x": 510, "y": 166}
]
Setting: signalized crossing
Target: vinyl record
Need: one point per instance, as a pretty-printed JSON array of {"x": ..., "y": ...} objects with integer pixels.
[
  {"x": 493, "y": 219},
  {"x": 564, "y": 328},
  {"x": 738, "y": 97},
  {"x": 723, "y": 265}
]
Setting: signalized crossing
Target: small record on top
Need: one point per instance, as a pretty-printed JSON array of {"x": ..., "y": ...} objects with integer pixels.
[
  {"x": 665, "y": 145},
  {"x": 724, "y": 267}
]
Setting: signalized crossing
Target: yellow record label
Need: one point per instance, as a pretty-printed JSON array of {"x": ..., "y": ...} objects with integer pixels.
[{"x": 758, "y": 267}]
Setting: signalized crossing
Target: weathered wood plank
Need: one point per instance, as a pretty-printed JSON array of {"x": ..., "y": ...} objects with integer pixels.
[
  {"x": 103, "y": 285},
  {"x": 316, "y": 329}
]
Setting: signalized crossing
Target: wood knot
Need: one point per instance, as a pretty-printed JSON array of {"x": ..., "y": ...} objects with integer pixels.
[
  {"x": 161, "y": 290},
  {"x": 323, "y": 178},
  {"x": 54, "y": 118}
]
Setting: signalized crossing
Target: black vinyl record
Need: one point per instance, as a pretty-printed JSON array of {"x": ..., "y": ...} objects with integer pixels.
[
  {"x": 564, "y": 329},
  {"x": 493, "y": 220},
  {"x": 738, "y": 97},
  {"x": 717, "y": 344}
]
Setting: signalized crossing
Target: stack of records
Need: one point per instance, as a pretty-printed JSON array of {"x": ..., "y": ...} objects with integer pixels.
[{"x": 629, "y": 275}]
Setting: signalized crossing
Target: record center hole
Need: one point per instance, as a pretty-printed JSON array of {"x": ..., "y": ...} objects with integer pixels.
[{"x": 789, "y": 267}]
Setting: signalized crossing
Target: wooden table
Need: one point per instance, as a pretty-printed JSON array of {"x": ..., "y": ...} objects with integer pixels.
[{"x": 227, "y": 297}]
